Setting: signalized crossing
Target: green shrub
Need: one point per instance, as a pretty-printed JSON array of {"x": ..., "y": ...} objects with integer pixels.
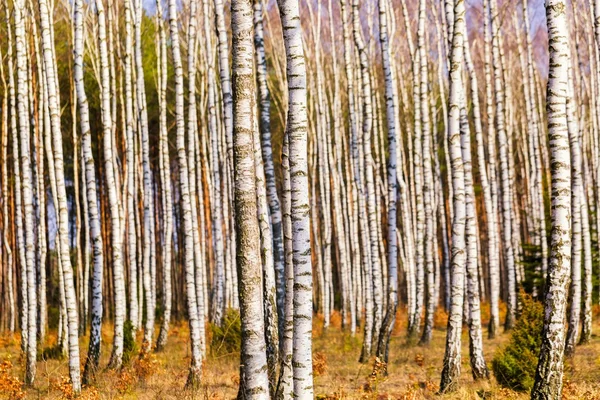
[
  {"x": 55, "y": 352},
  {"x": 130, "y": 348},
  {"x": 514, "y": 365},
  {"x": 227, "y": 337},
  {"x": 531, "y": 259}
]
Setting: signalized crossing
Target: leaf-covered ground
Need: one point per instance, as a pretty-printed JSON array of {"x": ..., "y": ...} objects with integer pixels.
[{"x": 413, "y": 371}]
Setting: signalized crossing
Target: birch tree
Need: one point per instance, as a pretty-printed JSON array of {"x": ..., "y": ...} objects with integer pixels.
[
  {"x": 195, "y": 341},
  {"x": 548, "y": 378},
  {"x": 93, "y": 357},
  {"x": 62, "y": 214},
  {"x": 452, "y": 356},
  {"x": 254, "y": 380},
  {"x": 110, "y": 171},
  {"x": 296, "y": 128}
]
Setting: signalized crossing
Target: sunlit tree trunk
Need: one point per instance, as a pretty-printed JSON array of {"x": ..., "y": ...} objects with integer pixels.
[
  {"x": 452, "y": 357},
  {"x": 61, "y": 206},
  {"x": 576, "y": 202},
  {"x": 165, "y": 176},
  {"x": 296, "y": 128},
  {"x": 93, "y": 357},
  {"x": 254, "y": 379},
  {"x": 548, "y": 378},
  {"x": 267, "y": 157},
  {"x": 504, "y": 154},
  {"x": 478, "y": 366},
  {"x": 134, "y": 315},
  {"x": 391, "y": 101},
  {"x": 493, "y": 267},
  {"x": 110, "y": 171},
  {"x": 195, "y": 339},
  {"x": 427, "y": 175},
  {"x": 285, "y": 386}
]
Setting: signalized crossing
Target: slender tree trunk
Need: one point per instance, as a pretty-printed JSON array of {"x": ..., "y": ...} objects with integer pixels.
[
  {"x": 504, "y": 153},
  {"x": 93, "y": 357},
  {"x": 296, "y": 128},
  {"x": 134, "y": 315},
  {"x": 391, "y": 101},
  {"x": 254, "y": 380},
  {"x": 195, "y": 339},
  {"x": 576, "y": 236},
  {"x": 62, "y": 211},
  {"x": 165, "y": 174},
  {"x": 110, "y": 171},
  {"x": 548, "y": 378},
  {"x": 451, "y": 370},
  {"x": 285, "y": 387}
]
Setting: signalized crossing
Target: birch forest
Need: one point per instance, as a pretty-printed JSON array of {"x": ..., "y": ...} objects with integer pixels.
[{"x": 298, "y": 199}]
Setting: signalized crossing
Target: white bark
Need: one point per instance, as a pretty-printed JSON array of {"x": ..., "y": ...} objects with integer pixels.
[
  {"x": 452, "y": 357},
  {"x": 548, "y": 380},
  {"x": 296, "y": 128},
  {"x": 89, "y": 184},
  {"x": 195, "y": 339},
  {"x": 62, "y": 211},
  {"x": 254, "y": 379}
]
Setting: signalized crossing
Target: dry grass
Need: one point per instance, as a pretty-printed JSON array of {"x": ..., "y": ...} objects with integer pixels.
[{"x": 413, "y": 371}]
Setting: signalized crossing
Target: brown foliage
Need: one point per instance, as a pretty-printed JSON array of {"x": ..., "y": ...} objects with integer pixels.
[{"x": 10, "y": 386}]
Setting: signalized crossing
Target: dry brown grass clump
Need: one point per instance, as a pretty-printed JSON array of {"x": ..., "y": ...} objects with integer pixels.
[{"x": 319, "y": 364}]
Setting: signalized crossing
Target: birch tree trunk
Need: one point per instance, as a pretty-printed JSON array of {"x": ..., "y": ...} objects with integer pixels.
[
  {"x": 576, "y": 235},
  {"x": 494, "y": 267},
  {"x": 18, "y": 210},
  {"x": 93, "y": 357},
  {"x": 23, "y": 193},
  {"x": 503, "y": 149},
  {"x": 374, "y": 269},
  {"x": 254, "y": 379},
  {"x": 267, "y": 157},
  {"x": 193, "y": 379},
  {"x": 110, "y": 171},
  {"x": 165, "y": 174},
  {"x": 392, "y": 251},
  {"x": 296, "y": 128},
  {"x": 148, "y": 261},
  {"x": 548, "y": 378},
  {"x": 134, "y": 315},
  {"x": 427, "y": 174},
  {"x": 62, "y": 211},
  {"x": 452, "y": 356},
  {"x": 285, "y": 386},
  {"x": 478, "y": 366}
]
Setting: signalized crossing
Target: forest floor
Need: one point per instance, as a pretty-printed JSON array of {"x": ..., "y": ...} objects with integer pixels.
[{"x": 413, "y": 371}]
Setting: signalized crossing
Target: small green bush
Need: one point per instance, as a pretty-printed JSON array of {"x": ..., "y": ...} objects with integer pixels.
[
  {"x": 130, "y": 348},
  {"x": 514, "y": 365},
  {"x": 55, "y": 352},
  {"x": 227, "y": 337}
]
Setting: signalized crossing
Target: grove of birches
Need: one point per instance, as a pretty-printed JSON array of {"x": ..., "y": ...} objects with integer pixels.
[{"x": 168, "y": 163}]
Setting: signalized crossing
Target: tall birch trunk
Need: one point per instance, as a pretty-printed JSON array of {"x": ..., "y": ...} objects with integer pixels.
[
  {"x": 110, "y": 171},
  {"x": 296, "y": 128},
  {"x": 165, "y": 174},
  {"x": 452, "y": 356},
  {"x": 93, "y": 357},
  {"x": 254, "y": 379},
  {"x": 391, "y": 101},
  {"x": 548, "y": 378},
  {"x": 195, "y": 339},
  {"x": 62, "y": 210}
]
